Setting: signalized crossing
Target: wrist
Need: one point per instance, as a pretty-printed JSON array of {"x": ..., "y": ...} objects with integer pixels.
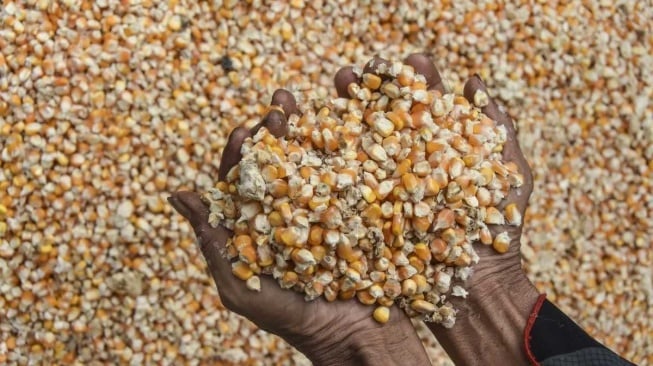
[
  {"x": 394, "y": 343},
  {"x": 494, "y": 315}
]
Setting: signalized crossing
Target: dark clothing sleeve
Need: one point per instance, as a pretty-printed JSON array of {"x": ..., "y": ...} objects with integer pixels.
[{"x": 553, "y": 339}]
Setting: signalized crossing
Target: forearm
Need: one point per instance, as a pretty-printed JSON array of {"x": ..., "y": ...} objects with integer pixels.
[{"x": 490, "y": 324}]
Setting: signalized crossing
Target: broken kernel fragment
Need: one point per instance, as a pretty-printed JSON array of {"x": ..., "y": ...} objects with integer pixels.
[{"x": 381, "y": 210}]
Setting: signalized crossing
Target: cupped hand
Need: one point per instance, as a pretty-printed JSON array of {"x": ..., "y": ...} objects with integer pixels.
[
  {"x": 339, "y": 332},
  {"x": 490, "y": 261}
]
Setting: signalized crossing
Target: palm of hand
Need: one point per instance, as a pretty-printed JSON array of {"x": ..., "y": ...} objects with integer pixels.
[{"x": 316, "y": 328}]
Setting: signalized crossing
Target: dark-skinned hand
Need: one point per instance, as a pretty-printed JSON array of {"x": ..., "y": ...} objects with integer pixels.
[{"x": 500, "y": 295}]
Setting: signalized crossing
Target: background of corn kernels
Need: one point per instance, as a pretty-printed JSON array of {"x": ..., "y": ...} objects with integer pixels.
[{"x": 107, "y": 106}]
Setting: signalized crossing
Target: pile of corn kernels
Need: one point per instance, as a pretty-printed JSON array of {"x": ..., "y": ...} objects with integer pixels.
[
  {"x": 106, "y": 106},
  {"x": 378, "y": 197}
]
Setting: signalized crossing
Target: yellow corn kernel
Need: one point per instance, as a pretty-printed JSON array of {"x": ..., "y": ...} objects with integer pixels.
[
  {"x": 278, "y": 188},
  {"x": 315, "y": 236},
  {"x": 265, "y": 259},
  {"x": 432, "y": 188},
  {"x": 317, "y": 203},
  {"x": 396, "y": 120},
  {"x": 319, "y": 252},
  {"x": 357, "y": 265},
  {"x": 241, "y": 241},
  {"x": 346, "y": 295},
  {"x": 285, "y": 211},
  {"x": 501, "y": 242},
  {"x": 330, "y": 141},
  {"x": 232, "y": 252},
  {"x": 493, "y": 216},
  {"x": 410, "y": 182},
  {"x": 422, "y": 306},
  {"x": 402, "y": 168},
  {"x": 385, "y": 301},
  {"x": 398, "y": 223},
  {"x": 329, "y": 178},
  {"x": 365, "y": 298},
  {"x": 275, "y": 219},
  {"x": 330, "y": 294},
  {"x": 247, "y": 254},
  {"x": 433, "y": 146},
  {"x": 485, "y": 235},
  {"x": 483, "y": 196},
  {"x": 421, "y": 283},
  {"x": 306, "y": 171},
  {"x": 421, "y": 224},
  {"x": 513, "y": 215},
  {"x": 382, "y": 314},
  {"x": 437, "y": 246},
  {"x": 346, "y": 252},
  {"x": 368, "y": 193},
  {"x": 449, "y": 236},
  {"x": 269, "y": 173},
  {"x": 488, "y": 175},
  {"x": 422, "y": 251},
  {"x": 417, "y": 263},
  {"x": 289, "y": 279},
  {"x": 222, "y": 186},
  {"x": 459, "y": 143},
  {"x": 241, "y": 270},
  {"x": 499, "y": 168},
  {"x": 408, "y": 287},
  {"x": 472, "y": 160},
  {"x": 287, "y": 236},
  {"x": 454, "y": 193},
  {"x": 463, "y": 260},
  {"x": 371, "y": 81},
  {"x": 372, "y": 212},
  {"x": 302, "y": 256}
]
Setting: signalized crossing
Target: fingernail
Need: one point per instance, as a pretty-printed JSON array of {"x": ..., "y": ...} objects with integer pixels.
[
  {"x": 179, "y": 206},
  {"x": 477, "y": 76}
]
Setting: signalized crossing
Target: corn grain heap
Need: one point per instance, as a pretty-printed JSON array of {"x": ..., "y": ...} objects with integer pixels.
[
  {"x": 379, "y": 197},
  {"x": 107, "y": 106}
]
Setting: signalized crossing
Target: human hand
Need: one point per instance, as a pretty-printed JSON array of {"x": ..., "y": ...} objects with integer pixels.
[
  {"x": 500, "y": 295},
  {"x": 340, "y": 332}
]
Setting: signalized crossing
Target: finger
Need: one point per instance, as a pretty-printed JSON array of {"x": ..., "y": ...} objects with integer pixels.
[
  {"x": 231, "y": 154},
  {"x": 286, "y": 100},
  {"x": 475, "y": 85},
  {"x": 343, "y": 78},
  {"x": 212, "y": 240},
  {"x": 275, "y": 122},
  {"x": 511, "y": 149},
  {"x": 183, "y": 210},
  {"x": 233, "y": 291},
  {"x": 423, "y": 65}
]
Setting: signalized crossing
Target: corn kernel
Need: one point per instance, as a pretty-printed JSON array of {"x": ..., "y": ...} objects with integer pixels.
[{"x": 382, "y": 314}]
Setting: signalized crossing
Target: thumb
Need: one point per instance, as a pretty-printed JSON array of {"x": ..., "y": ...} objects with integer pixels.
[{"x": 212, "y": 240}]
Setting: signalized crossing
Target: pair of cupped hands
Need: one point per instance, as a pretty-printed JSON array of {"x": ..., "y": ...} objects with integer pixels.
[{"x": 344, "y": 332}]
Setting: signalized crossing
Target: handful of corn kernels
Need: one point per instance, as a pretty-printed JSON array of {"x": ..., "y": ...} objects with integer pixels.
[{"x": 377, "y": 197}]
